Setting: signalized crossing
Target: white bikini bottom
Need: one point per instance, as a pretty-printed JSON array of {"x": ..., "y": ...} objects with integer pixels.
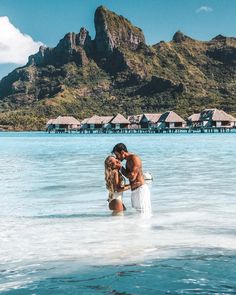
[{"x": 117, "y": 196}]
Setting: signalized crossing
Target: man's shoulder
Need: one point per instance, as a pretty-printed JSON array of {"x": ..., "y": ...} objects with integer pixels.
[{"x": 134, "y": 158}]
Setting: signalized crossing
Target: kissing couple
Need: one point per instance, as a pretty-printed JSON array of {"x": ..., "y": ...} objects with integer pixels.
[{"x": 115, "y": 175}]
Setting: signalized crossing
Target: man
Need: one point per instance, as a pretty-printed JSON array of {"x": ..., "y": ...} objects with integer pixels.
[{"x": 140, "y": 194}]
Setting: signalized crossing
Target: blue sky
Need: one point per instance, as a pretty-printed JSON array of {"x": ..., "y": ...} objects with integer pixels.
[{"x": 47, "y": 21}]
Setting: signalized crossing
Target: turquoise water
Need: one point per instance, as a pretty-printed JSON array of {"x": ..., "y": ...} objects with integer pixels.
[{"x": 58, "y": 237}]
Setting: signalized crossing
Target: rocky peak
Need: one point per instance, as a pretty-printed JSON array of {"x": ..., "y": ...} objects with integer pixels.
[
  {"x": 219, "y": 38},
  {"x": 72, "y": 47},
  {"x": 180, "y": 37},
  {"x": 72, "y": 40},
  {"x": 38, "y": 57},
  {"x": 67, "y": 43},
  {"x": 114, "y": 31},
  {"x": 83, "y": 38}
]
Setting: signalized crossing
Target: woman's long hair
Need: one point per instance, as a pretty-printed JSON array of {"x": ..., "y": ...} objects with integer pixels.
[{"x": 109, "y": 176}]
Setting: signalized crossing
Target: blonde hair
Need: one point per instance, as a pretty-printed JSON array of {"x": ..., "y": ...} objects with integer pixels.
[{"x": 109, "y": 176}]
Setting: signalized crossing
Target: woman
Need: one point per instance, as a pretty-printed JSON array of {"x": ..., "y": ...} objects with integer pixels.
[{"x": 115, "y": 184}]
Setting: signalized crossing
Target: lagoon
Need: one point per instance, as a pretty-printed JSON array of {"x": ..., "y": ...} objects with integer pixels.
[{"x": 58, "y": 237}]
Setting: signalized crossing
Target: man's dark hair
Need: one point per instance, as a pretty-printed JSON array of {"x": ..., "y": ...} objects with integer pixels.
[{"x": 119, "y": 147}]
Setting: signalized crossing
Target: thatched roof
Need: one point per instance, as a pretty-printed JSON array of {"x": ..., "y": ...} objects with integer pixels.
[
  {"x": 215, "y": 115},
  {"x": 153, "y": 118},
  {"x": 194, "y": 117},
  {"x": 98, "y": 120},
  {"x": 106, "y": 119},
  {"x": 66, "y": 120},
  {"x": 119, "y": 119},
  {"x": 135, "y": 119},
  {"x": 171, "y": 117},
  {"x": 94, "y": 120},
  {"x": 211, "y": 114},
  {"x": 219, "y": 115}
]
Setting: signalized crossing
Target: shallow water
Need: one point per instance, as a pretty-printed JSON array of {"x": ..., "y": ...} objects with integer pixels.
[{"x": 58, "y": 237}]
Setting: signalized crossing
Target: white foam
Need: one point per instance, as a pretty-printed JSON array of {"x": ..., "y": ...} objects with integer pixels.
[{"x": 53, "y": 209}]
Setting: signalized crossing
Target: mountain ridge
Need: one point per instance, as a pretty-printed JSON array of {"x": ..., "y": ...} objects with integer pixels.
[{"x": 118, "y": 72}]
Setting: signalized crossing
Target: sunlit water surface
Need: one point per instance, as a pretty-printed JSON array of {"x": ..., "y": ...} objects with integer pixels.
[{"x": 57, "y": 235}]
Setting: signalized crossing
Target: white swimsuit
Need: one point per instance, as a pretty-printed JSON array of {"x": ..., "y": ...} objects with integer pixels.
[{"x": 117, "y": 196}]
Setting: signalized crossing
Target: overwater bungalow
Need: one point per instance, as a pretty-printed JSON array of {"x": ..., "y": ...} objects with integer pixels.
[
  {"x": 209, "y": 120},
  {"x": 170, "y": 120},
  {"x": 84, "y": 123},
  {"x": 216, "y": 118},
  {"x": 134, "y": 121},
  {"x": 119, "y": 122},
  {"x": 106, "y": 121},
  {"x": 63, "y": 124},
  {"x": 149, "y": 120},
  {"x": 97, "y": 122},
  {"x": 194, "y": 120},
  {"x": 212, "y": 118},
  {"x": 94, "y": 122}
]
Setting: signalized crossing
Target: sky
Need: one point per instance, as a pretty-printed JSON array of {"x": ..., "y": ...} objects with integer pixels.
[{"x": 27, "y": 24}]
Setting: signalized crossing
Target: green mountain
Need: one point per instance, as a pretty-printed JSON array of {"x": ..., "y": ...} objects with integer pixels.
[{"x": 119, "y": 72}]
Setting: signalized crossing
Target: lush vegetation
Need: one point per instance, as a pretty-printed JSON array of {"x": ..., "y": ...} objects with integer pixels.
[{"x": 183, "y": 75}]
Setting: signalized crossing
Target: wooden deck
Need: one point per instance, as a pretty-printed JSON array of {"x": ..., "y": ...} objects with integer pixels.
[{"x": 146, "y": 130}]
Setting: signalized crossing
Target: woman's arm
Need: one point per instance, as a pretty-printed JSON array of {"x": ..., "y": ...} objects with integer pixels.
[
  {"x": 117, "y": 185},
  {"x": 125, "y": 188}
]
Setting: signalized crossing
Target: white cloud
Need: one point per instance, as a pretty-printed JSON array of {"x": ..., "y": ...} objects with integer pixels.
[
  {"x": 204, "y": 9},
  {"x": 15, "y": 47}
]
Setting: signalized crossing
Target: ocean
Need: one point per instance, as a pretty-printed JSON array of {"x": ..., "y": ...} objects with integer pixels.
[{"x": 57, "y": 235}]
